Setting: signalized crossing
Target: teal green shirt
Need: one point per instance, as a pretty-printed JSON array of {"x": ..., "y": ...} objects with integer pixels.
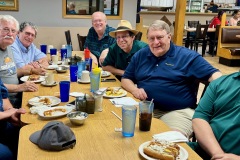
[
  {"x": 118, "y": 58},
  {"x": 220, "y": 107}
]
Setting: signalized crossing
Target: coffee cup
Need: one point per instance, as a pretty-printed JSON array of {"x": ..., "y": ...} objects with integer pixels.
[
  {"x": 49, "y": 78},
  {"x": 85, "y": 76},
  {"x": 54, "y": 59}
]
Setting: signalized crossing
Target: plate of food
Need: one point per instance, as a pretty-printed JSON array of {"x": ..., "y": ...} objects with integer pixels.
[
  {"x": 114, "y": 92},
  {"x": 44, "y": 100},
  {"x": 105, "y": 74},
  {"x": 51, "y": 67},
  {"x": 154, "y": 150},
  {"x": 55, "y": 112},
  {"x": 33, "y": 78}
]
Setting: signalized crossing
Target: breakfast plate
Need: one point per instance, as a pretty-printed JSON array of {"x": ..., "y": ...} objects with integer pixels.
[
  {"x": 182, "y": 156},
  {"x": 48, "y": 85},
  {"x": 105, "y": 74},
  {"x": 115, "y": 93},
  {"x": 46, "y": 100},
  {"x": 25, "y": 78},
  {"x": 51, "y": 67},
  {"x": 59, "y": 62},
  {"x": 54, "y": 112}
]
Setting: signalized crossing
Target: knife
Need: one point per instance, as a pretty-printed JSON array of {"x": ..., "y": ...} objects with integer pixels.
[{"x": 108, "y": 80}]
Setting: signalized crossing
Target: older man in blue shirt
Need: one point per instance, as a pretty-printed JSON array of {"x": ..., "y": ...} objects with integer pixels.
[{"x": 26, "y": 54}]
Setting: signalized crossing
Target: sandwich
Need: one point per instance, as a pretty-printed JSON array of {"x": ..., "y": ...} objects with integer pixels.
[
  {"x": 163, "y": 150},
  {"x": 33, "y": 77}
]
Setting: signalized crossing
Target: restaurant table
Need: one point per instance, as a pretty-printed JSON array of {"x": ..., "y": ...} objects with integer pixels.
[{"x": 96, "y": 138}]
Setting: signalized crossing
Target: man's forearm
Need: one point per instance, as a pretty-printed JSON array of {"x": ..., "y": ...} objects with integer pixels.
[
  {"x": 12, "y": 88},
  {"x": 206, "y": 137},
  {"x": 113, "y": 70},
  {"x": 215, "y": 76},
  {"x": 128, "y": 85}
]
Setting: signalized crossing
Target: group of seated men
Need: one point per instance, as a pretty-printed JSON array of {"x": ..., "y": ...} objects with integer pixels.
[{"x": 159, "y": 70}]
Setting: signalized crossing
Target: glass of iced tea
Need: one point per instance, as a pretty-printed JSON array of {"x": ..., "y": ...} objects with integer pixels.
[{"x": 145, "y": 115}]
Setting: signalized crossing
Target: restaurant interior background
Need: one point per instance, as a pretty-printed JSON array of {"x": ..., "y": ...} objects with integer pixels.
[{"x": 48, "y": 16}]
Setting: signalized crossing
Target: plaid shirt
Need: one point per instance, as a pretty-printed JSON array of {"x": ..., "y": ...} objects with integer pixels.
[
  {"x": 97, "y": 46},
  {"x": 3, "y": 94}
]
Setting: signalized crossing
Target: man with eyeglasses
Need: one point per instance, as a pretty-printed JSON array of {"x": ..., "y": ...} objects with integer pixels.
[
  {"x": 166, "y": 73},
  {"x": 98, "y": 39},
  {"x": 9, "y": 116},
  {"x": 26, "y": 54},
  {"x": 120, "y": 53}
]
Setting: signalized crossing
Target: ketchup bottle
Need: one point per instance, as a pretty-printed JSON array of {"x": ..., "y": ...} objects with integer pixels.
[{"x": 86, "y": 53}]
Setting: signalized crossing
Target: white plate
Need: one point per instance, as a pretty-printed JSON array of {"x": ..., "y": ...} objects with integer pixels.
[
  {"x": 105, "y": 74},
  {"x": 182, "y": 156},
  {"x": 55, "y": 114},
  {"x": 35, "y": 101},
  {"x": 80, "y": 81},
  {"x": 122, "y": 95},
  {"x": 48, "y": 85},
  {"x": 52, "y": 67},
  {"x": 67, "y": 66},
  {"x": 25, "y": 78}
]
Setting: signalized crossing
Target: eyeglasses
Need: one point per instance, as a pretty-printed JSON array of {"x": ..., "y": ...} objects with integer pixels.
[
  {"x": 97, "y": 21},
  {"x": 29, "y": 34},
  {"x": 123, "y": 37},
  {"x": 159, "y": 38},
  {"x": 8, "y": 30}
]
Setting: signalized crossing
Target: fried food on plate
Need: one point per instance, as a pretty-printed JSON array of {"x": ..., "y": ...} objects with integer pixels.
[{"x": 111, "y": 91}]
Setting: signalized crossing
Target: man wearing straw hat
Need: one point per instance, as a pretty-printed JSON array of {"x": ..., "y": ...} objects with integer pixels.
[{"x": 120, "y": 53}]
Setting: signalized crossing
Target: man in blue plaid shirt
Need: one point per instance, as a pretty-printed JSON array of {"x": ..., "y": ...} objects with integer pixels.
[{"x": 98, "y": 39}]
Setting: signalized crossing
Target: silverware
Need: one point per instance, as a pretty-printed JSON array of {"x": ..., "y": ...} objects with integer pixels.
[{"x": 116, "y": 115}]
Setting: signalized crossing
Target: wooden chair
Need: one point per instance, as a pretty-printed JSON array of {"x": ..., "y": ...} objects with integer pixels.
[
  {"x": 191, "y": 35},
  {"x": 138, "y": 36},
  {"x": 81, "y": 41},
  {"x": 200, "y": 37},
  {"x": 68, "y": 37}
]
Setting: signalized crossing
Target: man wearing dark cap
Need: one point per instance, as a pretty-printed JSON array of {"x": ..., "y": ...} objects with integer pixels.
[{"x": 120, "y": 53}]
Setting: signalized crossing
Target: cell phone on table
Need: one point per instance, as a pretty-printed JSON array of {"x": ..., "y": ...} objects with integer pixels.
[{"x": 108, "y": 80}]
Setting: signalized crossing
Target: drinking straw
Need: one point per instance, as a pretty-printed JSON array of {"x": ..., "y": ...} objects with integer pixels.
[
  {"x": 150, "y": 104},
  {"x": 117, "y": 116}
]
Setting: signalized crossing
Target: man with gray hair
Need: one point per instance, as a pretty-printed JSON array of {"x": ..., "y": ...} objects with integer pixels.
[
  {"x": 8, "y": 71},
  {"x": 9, "y": 116},
  {"x": 26, "y": 54},
  {"x": 166, "y": 73}
]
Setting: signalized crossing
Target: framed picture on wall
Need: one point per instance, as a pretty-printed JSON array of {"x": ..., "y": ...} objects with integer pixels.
[{"x": 9, "y": 5}]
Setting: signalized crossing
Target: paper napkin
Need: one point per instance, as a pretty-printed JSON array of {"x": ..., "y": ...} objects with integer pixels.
[
  {"x": 118, "y": 102},
  {"x": 76, "y": 94},
  {"x": 172, "y": 136}
]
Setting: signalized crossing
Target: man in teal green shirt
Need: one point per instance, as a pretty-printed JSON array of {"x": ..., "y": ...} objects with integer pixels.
[
  {"x": 216, "y": 121},
  {"x": 121, "y": 52}
]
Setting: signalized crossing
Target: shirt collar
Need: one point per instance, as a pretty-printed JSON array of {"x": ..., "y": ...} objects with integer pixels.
[
  {"x": 237, "y": 75},
  {"x": 22, "y": 48}
]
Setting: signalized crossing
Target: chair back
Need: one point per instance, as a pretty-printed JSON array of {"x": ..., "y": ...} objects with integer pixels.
[
  {"x": 199, "y": 33},
  {"x": 193, "y": 24},
  {"x": 68, "y": 37},
  {"x": 138, "y": 36},
  {"x": 81, "y": 41},
  {"x": 217, "y": 32}
]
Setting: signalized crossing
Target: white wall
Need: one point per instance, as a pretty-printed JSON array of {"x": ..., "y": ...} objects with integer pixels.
[{"x": 47, "y": 15}]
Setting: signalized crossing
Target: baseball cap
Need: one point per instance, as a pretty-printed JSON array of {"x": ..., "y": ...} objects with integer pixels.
[{"x": 54, "y": 136}]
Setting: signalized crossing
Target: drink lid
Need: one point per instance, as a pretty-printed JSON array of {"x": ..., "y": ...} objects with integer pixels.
[{"x": 96, "y": 71}]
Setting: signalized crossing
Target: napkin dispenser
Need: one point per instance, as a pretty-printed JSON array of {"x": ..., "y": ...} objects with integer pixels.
[{"x": 81, "y": 104}]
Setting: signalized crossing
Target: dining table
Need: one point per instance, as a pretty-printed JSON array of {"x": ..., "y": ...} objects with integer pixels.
[{"x": 98, "y": 138}]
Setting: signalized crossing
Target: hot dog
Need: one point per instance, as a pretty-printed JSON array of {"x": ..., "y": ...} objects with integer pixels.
[{"x": 163, "y": 150}]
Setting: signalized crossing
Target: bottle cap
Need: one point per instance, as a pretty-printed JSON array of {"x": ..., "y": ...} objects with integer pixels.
[
  {"x": 86, "y": 53},
  {"x": 96, "y": 70}
]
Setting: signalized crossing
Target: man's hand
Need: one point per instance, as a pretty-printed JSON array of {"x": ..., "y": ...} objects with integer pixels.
[
  {"x": 28, "y": 86},
  {"x": 225, "y": 156},
  {"x": 103, "y": 55},
  {"x": 35, "y": 64},
  {"x": 139, "y": 93},
  {"x": 94, "y": 59},
  {"x": 39, "y": 71},
  {"x": 15, "y": 117}
]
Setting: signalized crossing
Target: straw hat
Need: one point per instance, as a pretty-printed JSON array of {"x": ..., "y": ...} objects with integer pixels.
[{"x": 123, "y": 25}]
